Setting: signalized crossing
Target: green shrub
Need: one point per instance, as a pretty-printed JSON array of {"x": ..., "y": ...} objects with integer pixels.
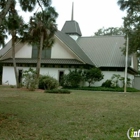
[
  {"x": 29, "y": 79},
  {"x": 107, "y": 83},
  {"x": 114, "y": 89},
  {"x": 115, "y": 80},
  {"x": 12, "y": 86},
  {"x": 63, "y": 91},
  {"x": 73, "y": 79},
  {"x": 65, "y": 81},
  {"x": 93, "y": 75},
  {"x": 118, "y": 81},
  {"x": 47, "y": 82},
  {"x": 128, "y": 81},
  {"x": 41, "y": 84}
]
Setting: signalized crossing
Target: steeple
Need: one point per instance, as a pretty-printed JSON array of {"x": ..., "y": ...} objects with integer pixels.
[
  {"x": 72, "y": 11},
  {"x": 71, "y": 27}
]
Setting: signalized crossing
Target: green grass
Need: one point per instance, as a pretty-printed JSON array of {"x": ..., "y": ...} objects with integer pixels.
[
  {"x": 81, "y": 115},
  {"x": 58, "y": 91},
  {"x": 113, "y": 89}
]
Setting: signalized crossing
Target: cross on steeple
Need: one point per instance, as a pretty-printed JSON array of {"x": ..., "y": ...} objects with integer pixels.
[{"x": 72, "y": 11}]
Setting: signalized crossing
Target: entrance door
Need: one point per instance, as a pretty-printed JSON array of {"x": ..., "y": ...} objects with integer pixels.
[
  {"x": 20, "y": 76},
  {"x": 61, "y": 74}
]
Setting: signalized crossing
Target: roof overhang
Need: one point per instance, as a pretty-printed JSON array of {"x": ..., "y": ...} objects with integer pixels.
[{"x": 43, "y": 61}]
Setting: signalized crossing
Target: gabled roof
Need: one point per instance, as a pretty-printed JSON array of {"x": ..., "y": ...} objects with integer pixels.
[
  {"x": 104, "y": 51},
  {"x": 6, "y": 52},
  {"x": 6, "y": 48},
  {"x": 66, "y": 39},
  {"x": 71, "y": 27},
  {"x": 72, "y": 44}
]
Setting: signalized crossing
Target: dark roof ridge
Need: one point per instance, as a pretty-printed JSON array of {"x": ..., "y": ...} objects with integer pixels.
[
  {"x": 103, "y": 36},
  {"x": 71, "y": 21}
]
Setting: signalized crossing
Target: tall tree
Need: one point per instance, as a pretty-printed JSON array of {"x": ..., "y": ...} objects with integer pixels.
[
  {"x": 109, "y": 31},
  {"x": 4, "y": 6},
  {"x": 132, "y": 23},
  {"x": 26, "y": 5},
  {"x": 42, "y": 30},
  {"x": 3, "y": 35},
  {"x": 13, "y": 24}
]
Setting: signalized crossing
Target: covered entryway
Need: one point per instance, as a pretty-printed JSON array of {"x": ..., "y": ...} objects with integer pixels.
[
  {"x": 20, "y": 76},
  {"x": 61, "y": 74}
]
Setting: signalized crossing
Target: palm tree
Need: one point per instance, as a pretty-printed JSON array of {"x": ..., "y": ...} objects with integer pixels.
[
  {"x": 42, "y": 30},
  {"x": 26, "y": 5},
  {"x": 129, "y": 5},
  {"x": 5, "y": 6},
  {"x": 13, "y": 24},
  {"x": 3, "y": 36}
]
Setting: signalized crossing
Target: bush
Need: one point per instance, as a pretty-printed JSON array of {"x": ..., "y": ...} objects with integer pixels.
[
  {"x": 12, "y": 86},
  {"x": 93, "y": 75},
  {"x": 113, "y": 89},
  {"x": 107, "y": 83},
  {"x": 123, "y": 81},
  {"x": 65, "y": 81},
  {"x": 41, "y": 82},
  {"x": 118, "y": 81},
  {"x": 115, "y": 80},
  {"x": 63, "y": 91},
  {"x": 29, "y": 79},
  {"x": 47, "y": 82},
  {"x": 73, "y": 79}
]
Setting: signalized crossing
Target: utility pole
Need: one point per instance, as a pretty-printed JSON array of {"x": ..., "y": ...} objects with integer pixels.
[{"x": 126, "y": 65}]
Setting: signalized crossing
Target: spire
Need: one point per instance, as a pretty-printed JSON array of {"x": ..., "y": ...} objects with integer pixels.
[{"x": 72, "y": 11}]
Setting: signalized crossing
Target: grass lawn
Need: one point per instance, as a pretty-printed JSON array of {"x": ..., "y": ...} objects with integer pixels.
[{"x": 81, "y": 115}]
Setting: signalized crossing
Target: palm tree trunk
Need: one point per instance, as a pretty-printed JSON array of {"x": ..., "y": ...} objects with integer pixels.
[
  {"x": 39, "y": 55},
  {"x": 13, "y": 56}
]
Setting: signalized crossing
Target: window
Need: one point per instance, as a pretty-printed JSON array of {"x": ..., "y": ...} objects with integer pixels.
[{"x": 46, "y": 53}]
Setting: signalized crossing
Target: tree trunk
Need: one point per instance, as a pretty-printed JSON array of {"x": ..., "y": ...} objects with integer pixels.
[
  {"x": 5, "y": 10},
  {"x": 13, "y": 56},
  {"x": 39, "y": 55},
  {"x": 89, "y": 84}
]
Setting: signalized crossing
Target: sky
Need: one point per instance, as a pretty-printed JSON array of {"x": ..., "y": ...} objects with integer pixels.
[{"x": 90, "y": 14}]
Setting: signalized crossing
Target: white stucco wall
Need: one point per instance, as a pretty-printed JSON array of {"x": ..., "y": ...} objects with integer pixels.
[
  {"x": 24, "y": 52},
  {"x": 59, "y": 50},
  {"x": 137, "y": 82},
  {"x": 108, "y": 75},
  {"x": 132, "y": 62},
  {"x": 8, "y": 76}
]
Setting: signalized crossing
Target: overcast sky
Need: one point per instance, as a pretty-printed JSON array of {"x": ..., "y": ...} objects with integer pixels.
[{"x": 90, "y": 14}]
